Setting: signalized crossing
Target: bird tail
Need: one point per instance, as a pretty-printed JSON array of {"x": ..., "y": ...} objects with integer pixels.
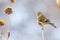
[{"x": 52, "y": 25}]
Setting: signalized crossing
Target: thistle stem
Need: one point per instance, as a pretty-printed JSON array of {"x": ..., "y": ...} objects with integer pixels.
[
  {"x": 8, "y": 27},
  {"x": 43, "y": 33}
]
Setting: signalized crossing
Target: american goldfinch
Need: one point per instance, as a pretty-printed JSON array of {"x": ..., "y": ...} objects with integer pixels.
[
  {"x": 1, "y": 22},
  {"x": 42, "y": 20},
  {"x": 8, "y": 10}
]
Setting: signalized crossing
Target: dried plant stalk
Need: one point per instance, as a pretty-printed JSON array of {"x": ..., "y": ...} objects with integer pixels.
[
  {"x": 43, "y": 33},
  {"x": 8, "y": 27},
  {"x": 1, "y": 33},
  {"x": 1, "y": 28}
]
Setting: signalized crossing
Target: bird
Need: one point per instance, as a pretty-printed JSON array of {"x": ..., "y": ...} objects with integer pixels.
[{"x": 43, "y": 20}]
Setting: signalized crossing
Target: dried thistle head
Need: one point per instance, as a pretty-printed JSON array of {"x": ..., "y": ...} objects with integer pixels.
[
  {"x": 8, "y": 10},
  {"x": 13, "y": 1},
  {"x": 1, "y": 22},
  {"x": 58, "y": 3}
]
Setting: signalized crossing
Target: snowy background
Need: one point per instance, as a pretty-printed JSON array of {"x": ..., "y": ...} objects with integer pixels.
[{"x": 23, "y": 20}]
